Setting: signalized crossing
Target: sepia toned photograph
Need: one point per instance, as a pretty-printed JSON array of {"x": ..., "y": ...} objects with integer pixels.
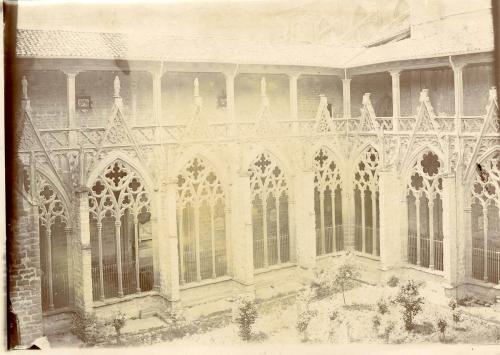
[{"x": 252, "y": 174}]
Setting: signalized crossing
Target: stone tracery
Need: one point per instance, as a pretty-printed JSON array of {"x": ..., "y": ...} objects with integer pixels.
[
  {"x": 327, "y": 203},
  {"x": 201, "y": 220},
  {"x": 269, "y": 193},
  {"x": 425, "y": 212}
]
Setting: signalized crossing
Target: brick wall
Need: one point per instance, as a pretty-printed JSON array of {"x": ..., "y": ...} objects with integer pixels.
[
  {"x": 24, "y": 272},
  {"x": 309, "y": 87},
  {"x": 47, "y": 92},
  {"x": 99, "y": 85}
]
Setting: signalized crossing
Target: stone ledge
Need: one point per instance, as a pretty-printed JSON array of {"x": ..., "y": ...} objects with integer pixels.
[
  {"x": 115, "y": 300},
  {"x": 275, "y": 268},
  {"x": 205, "y": 282}
]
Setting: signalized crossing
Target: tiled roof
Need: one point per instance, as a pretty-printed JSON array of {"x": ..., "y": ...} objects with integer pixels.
[
  {"x": 436, "y": 46},
  {"x": 93, "y": 45},
  {"x": 69, "y": 44}
]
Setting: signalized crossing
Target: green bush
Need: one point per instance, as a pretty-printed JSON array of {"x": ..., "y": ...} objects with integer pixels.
[
  {"x": 345, "y": 277},
  {"x": 411, "y": 302},
  {"x": 86, "y": 327},
  {"x": 245, "y": 317},
  {"x": 442, "y": 324},
  {"x": 393, "y": 281},
  {"x": 376, "y": 322},
  {"x": 303, "y": 320},
  {"x": 118, "y": 322},
  {"x": 382, "y": 306}
]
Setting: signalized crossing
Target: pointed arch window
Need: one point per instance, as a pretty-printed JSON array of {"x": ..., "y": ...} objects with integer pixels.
[
  {"x": 366, "y": 203},
  {"x": 485, "y": 213},
  {"x": 327, "y": 204},
  {"x": 201, "y": 216},
  {"x": 55, "y": 235},
  {"x": 269, "y": 193},
  {"x": 425, "y": 213},
  {"x": 120, "y": 232}
]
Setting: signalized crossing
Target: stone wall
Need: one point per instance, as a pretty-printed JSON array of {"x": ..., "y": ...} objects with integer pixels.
[
  {"x": 439, "y": 81},
  {"x": 178, "y": 96},
  {"x": 248, "y": 101},
  {"x": 24, "y": 284}
]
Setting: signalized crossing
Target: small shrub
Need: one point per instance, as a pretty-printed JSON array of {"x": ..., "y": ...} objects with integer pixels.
[
  {"x": 467, "y": 301},
  {"x": 382, "y": 306},
  {"x": 334, "y": 315},
  {"x": 86, "y": 327},
  {"x": 303, "y": 320},
  {"x": 441, "y": 326},
  {"x": 245, "y": 317},
  {"x": 388, "y": 329},
  {"x": 322, "y": 283},
  {"x": 453, "y": 304},
  {"x": 393, "y": 281},
  {"x": 118, "y": 322},
  {"x": 411, "y": 302},
  {"x": 457, "y": 316},
  {"x": 376, "y": 321},
  {"x": 345, "y": 277},
  {"x": 177, "y": 323}
]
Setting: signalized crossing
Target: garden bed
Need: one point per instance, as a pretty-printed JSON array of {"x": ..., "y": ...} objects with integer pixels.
[{"x": 354, "y": 323}]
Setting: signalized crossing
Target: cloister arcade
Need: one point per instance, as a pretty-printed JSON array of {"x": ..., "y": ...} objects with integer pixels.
[{"x": 179, "y": 213}]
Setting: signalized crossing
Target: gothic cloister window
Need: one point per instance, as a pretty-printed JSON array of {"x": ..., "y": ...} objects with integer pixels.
[
  {"x": 425, "y": 213},
  {"x": 120, "y": 233},
  {"x": 486, "y": 221},
  {"x": 54, "y": 238},
  {"x": 271, "y": 244},
  {"x": 327, "y": 204},
  {"x": 201, "y": 222},
  {"x": 366, "y": 203}
]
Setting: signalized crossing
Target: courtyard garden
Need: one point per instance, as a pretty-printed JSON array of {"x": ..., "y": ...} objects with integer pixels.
[{"x": 336, "y": 308}]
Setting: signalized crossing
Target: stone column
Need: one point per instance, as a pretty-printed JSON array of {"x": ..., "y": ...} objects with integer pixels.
[
  {"x": 133, "y": 101},
  {"x": 230, "y": 96},
  {"x": 396, "y": 99},
  {"x": 241, "y": 227},
  {"x": 168, "y": 254},
  {"x": 464, "y": 239},
  {"x": 459, "y": 94},
  {"x": 305, "y": 219},
  {"x": 83, "y": 256},
  {"x": 348, "y": 208},
  {"x": 71, "y": 99},
  {"x": 390, "y": 211},
  {"x": 450, "y": 230},
  {"x": 157, "y": 75},
  {"x": 293, "y": 78},
  {"x": 346, "y": 97}
]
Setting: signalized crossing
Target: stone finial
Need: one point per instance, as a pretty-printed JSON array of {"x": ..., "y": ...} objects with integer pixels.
[
  {"x": 196, "y": 87},
  {"x": 197, "y": 99},
  {"x": 424, "y": 95},
  {"x": 322, "y": 99},
  {"x": 116, "y": 84},
  {"x": 366, "y": 99},
  {"x": 492, "y": 94},
  {"x": 263, "y": 87},
  {"x": 24, "y": 84}
]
